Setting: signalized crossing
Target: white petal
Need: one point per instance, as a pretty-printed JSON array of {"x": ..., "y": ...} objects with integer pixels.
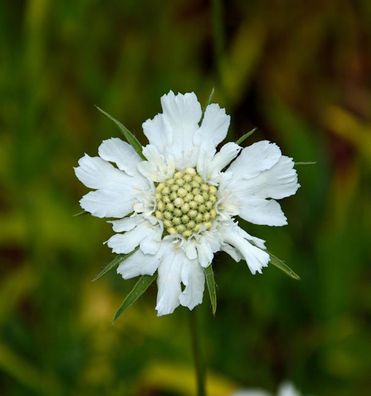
[
  {"x": 227, "y": 153},
  {"x": 189, "y": 247},
  {"x": 205, "y": 253},
  {"x": 181, "y": 115},
  {"x": 232, "y": 251},
  {"x": 181, "y": 110},
  {"x": 278, "y": 182},
  {"x": 126, "y": 224},
  {"x": 204, "y": 160},
  {"x": 97, "y": 173},
  {"x": 138, "y": 264},
  {"x": 117, "y": 151},
  {"x": 168, "y": 281},
  {"x": 255, "y": 258},
  {"x": 193, "y": 278},
  {"x": 127, "y": 242},
  {"x": 207, "y": 244},
  {"x": 214, "y": 126},
  {"x": 254, "y": 159},
  {"x": 260, "y": 243},
  {"x": 105, "y": 203},
  {"x": 152, "y": 243},
  {"x": 157, "y": 168},
  {"x": 157, "y": 133},
  {"x": 262, "y": 211}
]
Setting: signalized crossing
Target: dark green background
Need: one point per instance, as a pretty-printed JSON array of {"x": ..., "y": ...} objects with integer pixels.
[{"x": 300, "y": 72}]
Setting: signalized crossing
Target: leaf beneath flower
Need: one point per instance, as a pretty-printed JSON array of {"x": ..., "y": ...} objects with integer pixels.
[
  {"x": 306, "y": 163},
  {"x": 82, "y": 212},
  {"x": 210, "y": 282},
  {"x": 245, "y": 136},
  {"x": 210, "y": 96},
  {"x": 283, "y": 267},
  {"x": 140, "y": 287},
  {"x": 129, "y": 136},
  {"x": 112, "y": 264}
]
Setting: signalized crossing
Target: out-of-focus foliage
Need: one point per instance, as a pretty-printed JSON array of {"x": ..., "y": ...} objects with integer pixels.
[{"x": 301, "y": 73}]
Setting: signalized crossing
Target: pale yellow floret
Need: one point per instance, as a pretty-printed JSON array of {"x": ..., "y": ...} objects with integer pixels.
[
  {"x": 199, "y": 218},
  {"x": 193, "y": 204},
  {"x": 212, "y": 189},
  {"x": 182, "y": 192},
  {"x": 167, "y": 223},
  {"x": 168, "y": 215},
  {"x": 180, "y": 228},
  {"x": 169, "y": 207},
  {"x": 209, "y": 205},
  {"x": 199, "y": 199},
  {"x": 185, "y": 203},
  {"x": 176, "y": 220},
  {"x": 178, "y": 202},
  {"x": 177, "y": 212},
  {"x": 192, "y": 213},
  {"x": 165, "y": 190},
  {"x": 187, "y": 233},
  {"x": 191, "y": 171},
  {"x": 202, "y": 208}
]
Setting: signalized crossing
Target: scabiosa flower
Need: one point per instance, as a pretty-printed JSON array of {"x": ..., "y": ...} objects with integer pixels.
[{"x": 177, "y": 204}]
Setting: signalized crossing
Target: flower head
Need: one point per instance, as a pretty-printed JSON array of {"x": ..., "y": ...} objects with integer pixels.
[{"x": 176, "y": 206}]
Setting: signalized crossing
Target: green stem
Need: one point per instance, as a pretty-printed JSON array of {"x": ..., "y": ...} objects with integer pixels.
[{"x": 197, "y": 353}]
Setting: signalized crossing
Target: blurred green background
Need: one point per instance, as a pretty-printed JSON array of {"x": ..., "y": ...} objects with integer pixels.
[{"x": 301, "y": 73}]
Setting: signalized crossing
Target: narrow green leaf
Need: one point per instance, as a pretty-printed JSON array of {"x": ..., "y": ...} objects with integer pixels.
[
  {"x": 129, "y": 136},
  {"x": 210, "y": 282},
  {"x": 140, "y": 287},
  {"x": 210, "y": 96},
  {"x": 112, "y": 264},
  {"x": 306, "y": 163},
  {"x": 245, "y": 136},
  {"x": 283, "y": 267},
  {"x": 208, "y": 102},
  {"x": 82, "y": 212}
]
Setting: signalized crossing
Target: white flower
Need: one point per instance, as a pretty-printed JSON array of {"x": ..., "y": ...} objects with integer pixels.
[
  {"x": 286, "y": 389},
  {"x": 177, "y": 207}
]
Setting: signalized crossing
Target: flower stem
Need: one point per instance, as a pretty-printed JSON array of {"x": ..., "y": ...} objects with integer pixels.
[{"x": 199, "y": 362}]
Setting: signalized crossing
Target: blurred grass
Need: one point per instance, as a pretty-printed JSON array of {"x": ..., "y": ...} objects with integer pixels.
[{"x": 300, "y": 72}]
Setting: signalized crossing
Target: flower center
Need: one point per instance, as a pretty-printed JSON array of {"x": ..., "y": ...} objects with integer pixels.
[{"x": 185, "y": 203}]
